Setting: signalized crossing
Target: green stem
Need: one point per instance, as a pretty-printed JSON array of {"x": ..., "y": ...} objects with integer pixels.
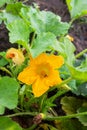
[
  {"x": 22, "y": 114},
  {"x": 52, "y": 111},
  {"x": 28, "y": 50},
  {"x": 6, "y": 70},
  {"x": 65, "y": 82},
  {"x": 81, "y": 53},
  {"x": 25, "y": 1},
  {"x": 63, "y": 89},
  {"x": 42, "y": 101},
  {"x": 72, "y": 20},
  {"x": 49, "y": 118}
]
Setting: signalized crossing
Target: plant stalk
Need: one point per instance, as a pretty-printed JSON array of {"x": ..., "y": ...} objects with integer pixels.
[
  {"x": 22, "y": 114},
  {"x": 49, "y": 118},
  {"x": 6, "y": 70},
  {"x": 65, "y": 82},
  {"x": 81, "y": 53}
]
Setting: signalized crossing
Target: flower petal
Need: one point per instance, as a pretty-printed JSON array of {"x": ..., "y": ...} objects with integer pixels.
[
  {"x": 42, "y": 58},
  {"x": 53, "y": 79},
  {"x": 39, "y": 87},
  {"x": 56, "y": 61},
  {"x": 27, "y": 76}
]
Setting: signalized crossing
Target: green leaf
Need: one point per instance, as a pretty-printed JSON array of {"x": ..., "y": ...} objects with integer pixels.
[
  {"x": 53, "y": 23},
  {"x": 81, "y": 89},
  {"x": 72, "y": 84},
  {"x": 78, "y": 74},
  {"x": 19, "y": 32},
  {"x": 7, "y": 124},
  {"x": 46, "y": 21},
  {"x": 9, "y": 17},
  {"x": 14, "y": 8},
  {"x": 67, "y": 49},
  {"x": 77, "y": 8},
  {"x": 64, "y": 72},
  {"x": 2, "y": 2},
  {"x": 83, "y": 119},
  {"x": 12, "y": 12},
  {"x": 8, "y": 92},
  {"x": 3, "y": 62},
  {"x": 2, "y": 109},
  {"x": 84, "y": 63},
  {"x": 70, "y": 104},
  {"x": 3, "y": 54},
  {"x": 70, "y": 124},
  {"x": 43, "y": 42}
]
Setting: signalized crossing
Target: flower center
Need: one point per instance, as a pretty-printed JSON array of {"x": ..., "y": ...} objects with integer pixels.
[
  {"x": 43, "y": 70},
  {"x": 12, "y": 55}
]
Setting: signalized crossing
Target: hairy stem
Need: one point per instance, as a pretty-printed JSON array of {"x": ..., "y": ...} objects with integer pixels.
[
  {"x": 6, "y": 70},
  {"x": 81, "y": 53},
  {"x": 22, "y": 114},
  {"x": 49, "y": 118},
  {"x": 65, "y": 82}
]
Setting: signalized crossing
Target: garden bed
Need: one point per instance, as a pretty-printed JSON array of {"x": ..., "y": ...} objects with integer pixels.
[{"x": 78, "y": 96}]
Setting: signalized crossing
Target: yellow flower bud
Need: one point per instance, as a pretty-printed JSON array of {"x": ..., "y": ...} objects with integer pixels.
[
  {"x": 16, "y": 56},
  {"x": 70, "y": 38}
]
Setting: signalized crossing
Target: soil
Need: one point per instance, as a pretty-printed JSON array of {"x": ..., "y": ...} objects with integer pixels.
[{"x": 78, "y": 31}]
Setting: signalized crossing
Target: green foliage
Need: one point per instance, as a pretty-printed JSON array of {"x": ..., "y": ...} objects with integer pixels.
[
  {"x": 14, "y": 8},
  {"x": 19, "y": 32},
  {"x": 2, "y": 2},
  {"x": 43, "y": 42},
  {"x": 78, "y": 73},
  {"x": 73, "y": 105},
  {"x": 3, "y": 60},
  {"x": 70, "y": 124},
  {"x": 77, "y": 8},
  {"x": 21, "y": 20},
  {"x": 83, "y": 119},
  {"x": 8, "y": 92},
  {"x": 45, "y": 21},
  {"x": 81, "y": 89},
  {"x": 36, "y": 32},
  {"x": 7, "y": 124},
  {"x": 2, "y": 109},
  {"x": 70, "y": 104},
  {"x": 66, "y": 48}
]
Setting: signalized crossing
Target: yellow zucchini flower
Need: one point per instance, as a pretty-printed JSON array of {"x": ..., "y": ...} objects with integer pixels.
[
  {"x": 16, "y": 56},
  {"x": 42, "y": 73}
]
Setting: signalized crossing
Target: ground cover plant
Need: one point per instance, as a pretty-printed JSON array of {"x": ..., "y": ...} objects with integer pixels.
[{"x": 41, "y": 68}]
